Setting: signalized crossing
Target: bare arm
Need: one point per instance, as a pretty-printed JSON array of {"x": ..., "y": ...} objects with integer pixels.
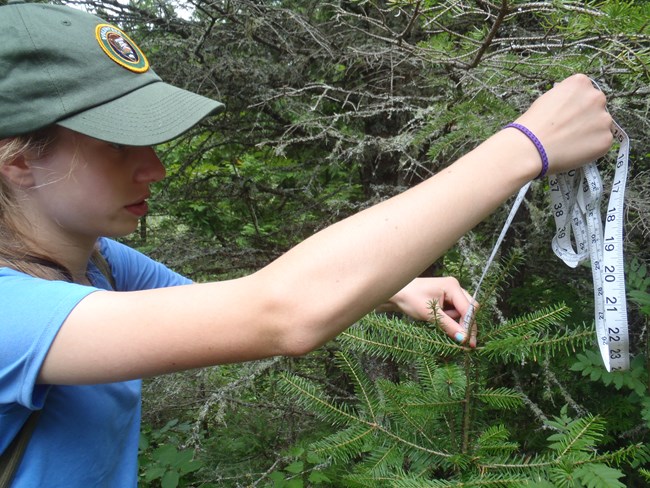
[{"x": 330, "y": 280}]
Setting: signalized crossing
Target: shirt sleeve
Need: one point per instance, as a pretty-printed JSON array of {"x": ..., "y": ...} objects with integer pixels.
[
  {"x": 133, "y": 271},
  {"x": 33, "y": 311}
]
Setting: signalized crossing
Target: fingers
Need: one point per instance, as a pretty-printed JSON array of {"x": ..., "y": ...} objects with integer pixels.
[
  {"x": 442, "y": 300},
  {"x": 455, "y": 305},
  {"x": 572, "y": 122}
]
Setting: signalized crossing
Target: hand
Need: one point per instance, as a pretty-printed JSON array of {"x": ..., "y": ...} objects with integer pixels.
[
  {"x": 450, "y": 299},
  {"x": 572, "y": 123}
]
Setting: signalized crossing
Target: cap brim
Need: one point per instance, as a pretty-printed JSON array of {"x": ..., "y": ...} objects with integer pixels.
[{"x": 150, "y": 115}]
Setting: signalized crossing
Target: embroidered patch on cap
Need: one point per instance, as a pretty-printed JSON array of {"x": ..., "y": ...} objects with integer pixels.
[{"x": 120, "y": 48}]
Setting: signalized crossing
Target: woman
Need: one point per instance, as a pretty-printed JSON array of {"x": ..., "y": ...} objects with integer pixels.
[{"x": 76, "y": 165}]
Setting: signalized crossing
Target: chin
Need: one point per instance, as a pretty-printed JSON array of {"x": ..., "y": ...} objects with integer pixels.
[{"x": 121, "y": 230}]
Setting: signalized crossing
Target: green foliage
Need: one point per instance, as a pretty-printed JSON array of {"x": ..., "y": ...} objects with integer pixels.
[
  {"x": 645, "y": 473},
  {"x": 421, "y": 425},
  {"x": 446, "y": 421},
  {"x": 300, "y": 472},
  {"x": 597, "y": 475},
  {"x": 590, "y": 364},
  {"x": 333, "y": 106},
  {"x": 162, "y": 463},
  {"x": 638, "y": 280},
  {"x": 244, "y": 197}
]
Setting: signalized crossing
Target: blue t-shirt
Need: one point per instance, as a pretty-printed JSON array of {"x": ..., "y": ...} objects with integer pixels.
[{"x": 86, "y": 436}]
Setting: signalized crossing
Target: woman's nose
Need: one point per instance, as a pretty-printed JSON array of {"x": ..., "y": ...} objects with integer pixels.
[{"x": 149, "y": 169}]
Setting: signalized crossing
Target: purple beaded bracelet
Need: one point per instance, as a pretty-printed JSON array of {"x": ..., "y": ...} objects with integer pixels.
[{"x": 538, "y": 145}]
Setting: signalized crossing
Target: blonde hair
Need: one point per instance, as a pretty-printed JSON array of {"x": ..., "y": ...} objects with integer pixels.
[{"x": 17, "y": 250}]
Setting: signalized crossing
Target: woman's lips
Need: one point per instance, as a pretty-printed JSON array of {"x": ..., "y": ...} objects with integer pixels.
[{"x": 139, "y": 209}]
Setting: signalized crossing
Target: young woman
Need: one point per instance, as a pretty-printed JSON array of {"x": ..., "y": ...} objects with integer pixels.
[{"x": 80, "y": 109}]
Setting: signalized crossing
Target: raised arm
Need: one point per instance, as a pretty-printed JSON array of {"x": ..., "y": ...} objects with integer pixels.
[{"x": 330, "y": 280}]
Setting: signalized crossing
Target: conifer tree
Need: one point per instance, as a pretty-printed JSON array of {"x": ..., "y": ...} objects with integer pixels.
[{"x": 459, "y": 417}]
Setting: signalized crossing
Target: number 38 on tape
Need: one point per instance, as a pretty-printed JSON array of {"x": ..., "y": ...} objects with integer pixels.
[
  {"x": 580, "y": 236},
  {"x": 576, "y": 198}
]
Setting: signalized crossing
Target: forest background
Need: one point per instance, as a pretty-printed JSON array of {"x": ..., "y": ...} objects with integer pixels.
[{"x": 331, "y": 107}]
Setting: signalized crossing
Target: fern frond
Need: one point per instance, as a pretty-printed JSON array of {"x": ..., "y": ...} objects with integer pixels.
[
  {"x": 598, "y": 475},
  {"x": 637, "y": 276},
  {"x": 590, "y": 363}
]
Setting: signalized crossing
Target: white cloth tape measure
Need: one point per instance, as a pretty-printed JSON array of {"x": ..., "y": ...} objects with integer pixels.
[{"x": 575, "y": 199}]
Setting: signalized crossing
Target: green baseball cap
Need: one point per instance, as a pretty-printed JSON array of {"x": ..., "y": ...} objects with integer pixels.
[{"x": 60, "y": 65}]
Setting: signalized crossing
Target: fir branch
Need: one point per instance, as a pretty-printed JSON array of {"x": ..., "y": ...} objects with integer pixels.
[
  {"x": 490, "y": 480},
  {"x": 426, "y": 373},
  {"x": 645, "y": 473},
  {"x": 579, "y": 409},
  {"x": 532, "y": 346},
  {"x": 382, "y": 457},
  {"x": 620, "y": 456},
  {"x": 581, "y": 435},
  {"x": 418, "y": 424},
  {"x": 344, "y": 444},
  {"x": 501, "y": 398},
  {"x": 535, "y": 321},
  {"x": 312, "y": 398},
  {"x": 565, "y": 465},
  {"x": 417, "y": 447},
  {"x": 503, "y": 11},
  {"x": 433, "y": 406},
  {"x": 467, "y": 408},
  {"x": 392, "y": 338},
  {"x": 362, "y": 383},
  {"x": 495, "y": 440}
]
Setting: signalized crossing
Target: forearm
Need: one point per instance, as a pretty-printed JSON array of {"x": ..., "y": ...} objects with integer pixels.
[
  {"x": 346, "y": 270},
  {"x": 343, "y": 272}
]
